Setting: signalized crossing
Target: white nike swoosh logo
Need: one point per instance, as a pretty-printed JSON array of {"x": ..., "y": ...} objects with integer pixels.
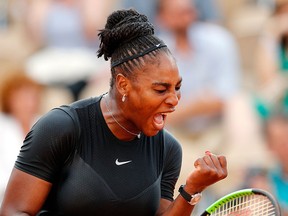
[{"x": 118, "y": 163}]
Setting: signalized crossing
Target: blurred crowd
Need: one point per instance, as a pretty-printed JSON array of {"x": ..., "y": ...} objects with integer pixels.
[{"x": 232, "y": 55}]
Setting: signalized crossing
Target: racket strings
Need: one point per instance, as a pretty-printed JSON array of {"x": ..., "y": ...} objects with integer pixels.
[{"x": 252, "y": 205}]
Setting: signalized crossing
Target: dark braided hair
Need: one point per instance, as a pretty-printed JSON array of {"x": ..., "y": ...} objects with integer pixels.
[{"x": 127, "y": 33}]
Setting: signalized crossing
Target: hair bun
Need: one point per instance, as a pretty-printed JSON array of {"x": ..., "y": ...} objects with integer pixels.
[{"x": 123, "y": 26}]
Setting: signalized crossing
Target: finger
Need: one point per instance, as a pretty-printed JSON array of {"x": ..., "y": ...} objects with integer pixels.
[
  {"x": 207, "y": 152},
  {"x": 201, "y": 164},
  {"x": 212, "y": 160},
  {"x": 223, "y": 161},
  {"x": 198, "y": 163},
  {"x": 216, "y": 162},
  {"x": 208, "y": 161},
  {"x": 205, "y": 163}
]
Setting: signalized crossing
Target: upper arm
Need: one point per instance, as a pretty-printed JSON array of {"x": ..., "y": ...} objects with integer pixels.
[
  {"x": 45, "y": 150},
  {"x": 48, "y": 146},
  {"x": 24, "y": 194},
  {"x": 172, "y": 166}
]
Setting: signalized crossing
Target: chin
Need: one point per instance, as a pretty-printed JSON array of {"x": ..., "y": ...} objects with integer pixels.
[{"x": 151, "y": 133}]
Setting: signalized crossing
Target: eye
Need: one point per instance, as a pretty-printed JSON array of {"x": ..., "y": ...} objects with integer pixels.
[{"x": 160, "y": 91}]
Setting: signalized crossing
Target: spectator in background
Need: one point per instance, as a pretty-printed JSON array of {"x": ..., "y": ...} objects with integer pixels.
[
  {"x": 56, "y": 19},
  {"x": 273, "y": 177},
  {"x": 272, "y": 62},
  {"x": 256, "y": 177},
  {"x": 66, "y": 31},
  {"x": 147, "y": 7},
  {"x": 13, "y": 35},
  {"x": 208, "y": 62},
  {"x": 20, "y": 100},
  {"x": 276, "y": 133},
  {"x": 3, "y": 14},
  {"x": 208, "y": 10}
]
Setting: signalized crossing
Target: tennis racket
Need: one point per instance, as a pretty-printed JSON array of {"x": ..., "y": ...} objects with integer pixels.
[{"x": 246, "y": 202}]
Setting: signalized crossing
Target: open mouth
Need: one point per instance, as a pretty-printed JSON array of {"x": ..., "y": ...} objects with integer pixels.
[
  {"x": 159, "y": 120},
  {"x": 164, "y": 115}
]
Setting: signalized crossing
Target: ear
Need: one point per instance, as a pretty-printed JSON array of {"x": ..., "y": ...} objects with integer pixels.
[{"x": 122, "y": 84}]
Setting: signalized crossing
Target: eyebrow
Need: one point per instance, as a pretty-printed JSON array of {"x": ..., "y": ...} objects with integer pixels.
[{"x": 167, "y": 85}]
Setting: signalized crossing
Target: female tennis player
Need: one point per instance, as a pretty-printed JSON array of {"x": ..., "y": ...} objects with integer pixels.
[{"x": 110, "y": 155}]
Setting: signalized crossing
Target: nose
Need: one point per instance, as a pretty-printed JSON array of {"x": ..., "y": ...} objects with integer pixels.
[{"x": 173, "y": 98}]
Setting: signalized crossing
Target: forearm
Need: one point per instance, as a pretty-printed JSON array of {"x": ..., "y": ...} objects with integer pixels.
[
  {"x": 13, "y": 213},
  {"x": 19, "y": 214},
  {"x": 178, "y": 207},
  {"x": 208, "y": 170}
]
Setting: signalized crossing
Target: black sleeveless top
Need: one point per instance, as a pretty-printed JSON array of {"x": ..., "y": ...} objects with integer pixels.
[{"x": 94, "y": 173}]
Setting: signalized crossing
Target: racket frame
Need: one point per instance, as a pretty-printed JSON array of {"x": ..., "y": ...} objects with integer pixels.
[{"x": 239, "y": 193}]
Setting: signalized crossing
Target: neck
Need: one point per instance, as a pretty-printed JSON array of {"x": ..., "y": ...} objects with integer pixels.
[{"x": 115, "y": 121}]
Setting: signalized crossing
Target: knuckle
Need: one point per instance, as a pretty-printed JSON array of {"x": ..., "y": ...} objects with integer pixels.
[{"x": 223, "y": 175}]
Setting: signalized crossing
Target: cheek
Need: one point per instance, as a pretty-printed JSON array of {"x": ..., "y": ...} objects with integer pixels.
[
  {"x": 145, "y": 108},
  {"x": 142, "y": 101}
]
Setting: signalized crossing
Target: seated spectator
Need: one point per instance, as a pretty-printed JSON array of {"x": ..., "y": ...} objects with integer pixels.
[
  {"x": 272, "y": 62},
  {"x": 66, "y": 32},
  {"x": 276, "y": 134},
  {"x": 272, "y": 177},
  {"x": 208, "y": 62},
  {"x": 20, "y": 100},
  {"x": 207, "y": 10},
  {"x": 256, "y": 177}
]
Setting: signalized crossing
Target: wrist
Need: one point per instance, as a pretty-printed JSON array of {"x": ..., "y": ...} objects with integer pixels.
[
  {"x": 192, "y": 188},
  {"x": 192, "y": 199}
]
